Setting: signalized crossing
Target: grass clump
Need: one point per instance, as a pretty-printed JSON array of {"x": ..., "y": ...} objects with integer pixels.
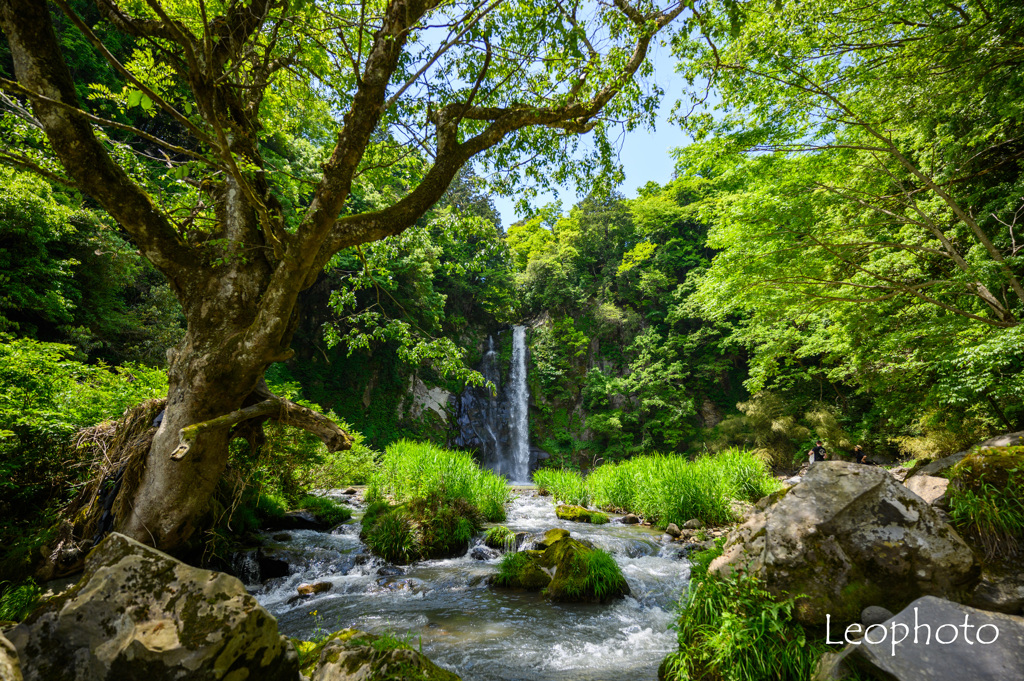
[
  {"x": 673, "y": 489},
  {"x": 986, "y": 500},
  {"x": 733, "y": 628},
  {"x": 564, "y": 485},
  {"x": 435, "y": 527},
  {"x": 415, "y": 470},
  {"x": 584, "y": 574},
  {"x": 520, "y": 571},
  {"x": 500, "y": 537},
  {"x": 326, "y": 510},
  {"x": 18, "y": 600}
]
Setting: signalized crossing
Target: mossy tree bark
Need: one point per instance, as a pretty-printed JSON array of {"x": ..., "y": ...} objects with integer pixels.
[{"x": 238, "y": 281}]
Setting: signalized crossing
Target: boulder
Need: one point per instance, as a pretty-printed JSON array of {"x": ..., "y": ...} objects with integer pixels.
[
  {"x": 137, "y": 613},
  {"x": 582, "y": 574},
  {"x": 693, "y": 524},
  {"x": 1001, "y": 589},
  {"x": 581, "y": 515},
  {"x": 484, "y": 553},
  {"x": 930, "y": 488},
  {"x": 940, "y": 641},
  {"x": 673, "y": 530},
  {"x": 522, "y": 571},
  {"x": 947, "y": 462},
  {"x": 10, "y": 669},
  {"x": 847, "y": 537},
  {"x": 630, "y": 519},
  {"x": 357, "y": 656},
  {"x": 874, "y": 614}
]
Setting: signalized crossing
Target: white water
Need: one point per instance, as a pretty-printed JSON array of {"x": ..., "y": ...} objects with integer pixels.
[
  {"x": 519, "y": 405},
  {"x": 486, "y": 634}
]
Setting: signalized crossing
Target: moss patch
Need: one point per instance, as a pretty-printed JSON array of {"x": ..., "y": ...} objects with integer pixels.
[
  {"x": 521, "y": 571},
  {"x": 435, "y": 527},
  {"x": 579, "y": 514}
]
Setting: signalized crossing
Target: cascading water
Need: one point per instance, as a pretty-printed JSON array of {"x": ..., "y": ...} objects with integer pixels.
[
  {"x": 496, "y": 425},
  {"x": 519, "y": 401},
  {"x": 482, "y": 633}
]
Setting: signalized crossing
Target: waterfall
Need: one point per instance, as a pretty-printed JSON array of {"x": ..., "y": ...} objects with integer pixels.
[
  {"x": 496, "y": 426},
  {"x": 519, "y": 401}
]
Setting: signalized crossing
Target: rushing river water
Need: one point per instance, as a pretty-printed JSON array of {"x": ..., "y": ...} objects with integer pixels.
[{"x": 486, "y": 634}]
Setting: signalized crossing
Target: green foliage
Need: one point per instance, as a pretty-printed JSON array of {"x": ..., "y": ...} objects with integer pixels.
[
  {"x": 417, "y": 470},
  {"x": 580, "y": 515},
  {"x": 672, "y": 489},
  {"x": 391, "y": 537},
  {"x": 602, "y": 576},
  {"x": 500, "y": 537},
  {"x": 511, "y": 568},
  {"x": 733, "y": 628},
  {"x": 45, "y": 397},
  {"x": 564, "y": 485},
  {"x": 18, "y": 600},
  {"x": 327, "y": 510},
  {"x": 583, "y": 574},
  {"x": 986, "y": 500}
]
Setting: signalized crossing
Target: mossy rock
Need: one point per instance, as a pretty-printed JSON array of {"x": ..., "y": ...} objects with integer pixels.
[
  {"x": 358, "y": 655},
  {"x": 521, "y": 571},
  {"x": 583, "y": 574},
  {"x": 309, "y": 651},
  {"x": 500, "y": 538},
  {"x": 578, "y": 514},
  {"x": 999, "y": 467},
  {"x": 551, "y": 536}
]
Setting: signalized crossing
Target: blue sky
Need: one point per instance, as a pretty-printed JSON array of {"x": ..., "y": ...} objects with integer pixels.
[{"x": 644, "y": 154}]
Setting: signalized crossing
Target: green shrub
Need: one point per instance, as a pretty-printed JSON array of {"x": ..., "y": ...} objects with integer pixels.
[
  {"x": 564, "y": 485},
  {"x": 734, "y": 629},
  {"x": 391, "y": 537},
  {"x": 417, "y": 470},
  {"x": 327, "y": 510},
  {"x": 986, "y": 500},
  {"x": 18, "y": 600},
  {"x": 500, "y": 537}
]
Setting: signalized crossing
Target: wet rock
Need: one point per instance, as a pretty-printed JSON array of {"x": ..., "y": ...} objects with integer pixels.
[
  {"x": 666, "y": 539},
  {"x": 846, "y": 537},
  {"x": 296, "y": 520},
  {"x": 311, "y": 589},
  {"x": 357, "y": 656},
  {"x": 10, "y": 667},
  {"x": 350, "y": 491},
  {"x": 581, "y": 515},
  {"x": 582, "y": 574},
  {"x": 550, "y": 537},
  {"x": 874, "y": 614},
  {"x": 930, "y": 488},
  {"x": 390, "y": 571},
  {"x": 946, "y": 650},
  {"x": 673, "y": 530},
  {"x": 483, "y": 553},
  {"x": 630, "y": 519},
  {"x": 501, "y": 538},
  {"x": 282, "y": 536},
  {"x": 137, "y": 613},
  {"x": 694, "y": 524}
]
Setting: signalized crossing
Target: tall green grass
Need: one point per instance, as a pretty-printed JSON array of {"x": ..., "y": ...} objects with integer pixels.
[
  {"x": 415, "y": 470},
  {"x": 564, "y": 485},
  {"x": 733, "y": 628},
  {"x": 672, "y": 489}
]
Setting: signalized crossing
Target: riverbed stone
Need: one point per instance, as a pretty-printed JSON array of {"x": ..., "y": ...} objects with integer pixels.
[
  {"x": 630, "y": 519},
  {"x": 582, "y": 574},
  {"x": 673, "y": 530},
  {"x": 874, "y": 614},
  {"x": 961, "y": 658},
  {"x": 693, "y": 524},
  {"x": 847, "y": 537},
  {"x": 579, "y": 514},
  {"x": 1001, "y": 589},
  {"x": 311, "y": 589},
  {"x": 10, "y": 667},
  {"x": 138, "y": 613},
  {"x": 358, "y": 656}
]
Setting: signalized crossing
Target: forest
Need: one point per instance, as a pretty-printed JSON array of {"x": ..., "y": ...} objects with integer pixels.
[{"x": 249, "y": 249}]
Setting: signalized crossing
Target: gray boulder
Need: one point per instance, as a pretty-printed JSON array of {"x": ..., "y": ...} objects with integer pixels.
[
  {"x": 971, "y": 644},
  {"x": 137, "y": 613},
  {"x": 10, "y": 669},
  {"x": 930, "y": 488},
  {"x": 847, "y": 537},
  {"x": 874, "y": 614},
  {"x": 1001, "y": 590}
]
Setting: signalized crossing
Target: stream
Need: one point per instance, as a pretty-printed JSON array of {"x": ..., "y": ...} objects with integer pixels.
[{"x": 446, "y": 608}]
